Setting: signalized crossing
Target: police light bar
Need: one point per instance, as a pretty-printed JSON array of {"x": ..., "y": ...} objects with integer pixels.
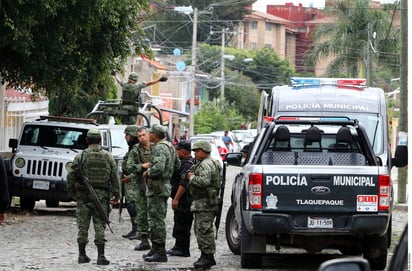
[{"x": 300, "y": 82}]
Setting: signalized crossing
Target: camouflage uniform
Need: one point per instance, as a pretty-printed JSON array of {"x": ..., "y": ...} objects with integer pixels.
[
  {"x": 204, "y": 189},
  {"x": 138, "y": 156},
  {"x": 131, "y": 99},
  {"x": 105, "y": 181},
  {"x": 163, "y": 163},
  {"x": 130, "y": 188}
]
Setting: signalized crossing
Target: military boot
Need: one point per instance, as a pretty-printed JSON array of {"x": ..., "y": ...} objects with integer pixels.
[
  {"x": 205, "y": 261},
  {"x": 144, "y": 244},
  {"x": 159, "y": 255},
  {"x": 133, "y": 232},
  {"x": 82, "y": 254},
  {"x": 101, "y": 259}
]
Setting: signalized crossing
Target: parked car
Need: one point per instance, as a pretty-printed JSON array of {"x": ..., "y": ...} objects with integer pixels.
[
  {"x": 242, "y": 137},
  {"x": 219, "y": 143}
]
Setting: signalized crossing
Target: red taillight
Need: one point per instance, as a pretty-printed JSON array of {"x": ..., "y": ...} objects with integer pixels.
[
  {"x": 384, "y": 192},
  {"x": 255, "y": 191}
]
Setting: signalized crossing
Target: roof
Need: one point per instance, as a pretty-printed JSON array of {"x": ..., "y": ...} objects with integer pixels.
[
  {"x": 21, "y": 95},
  {"x": 267, "y": 17}
]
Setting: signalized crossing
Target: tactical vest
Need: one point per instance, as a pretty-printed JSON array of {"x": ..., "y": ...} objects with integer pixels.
[
  {"x": 96, "y": 168},
  {"x": 130, "y": 94}
]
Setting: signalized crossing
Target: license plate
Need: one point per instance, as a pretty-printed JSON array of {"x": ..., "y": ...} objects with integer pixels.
[
  {"x": 41, "y": 185},
  {"x": 320, "y": 223}
]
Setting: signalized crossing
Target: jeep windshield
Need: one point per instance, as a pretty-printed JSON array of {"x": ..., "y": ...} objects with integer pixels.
[{"x": 54, "y": 136}]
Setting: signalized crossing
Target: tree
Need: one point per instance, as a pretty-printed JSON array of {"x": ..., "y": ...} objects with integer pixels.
[
  {"x": 349, "y": 37},
  {"x": 68, "y": 48}
]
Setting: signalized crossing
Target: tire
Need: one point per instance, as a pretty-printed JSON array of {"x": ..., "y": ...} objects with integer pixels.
[
  {"x": 52, "y": 203},
  {"x": 232, "y": 231},
  {"x": 27, "y": 203},
  {"x": 248, "y": 260},
  {"x": 375, "y": 250},
  {"x": 389, "y": 232}
]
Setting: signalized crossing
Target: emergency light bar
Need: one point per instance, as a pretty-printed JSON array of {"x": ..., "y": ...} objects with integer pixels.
[{"x": 300, "y": 82}]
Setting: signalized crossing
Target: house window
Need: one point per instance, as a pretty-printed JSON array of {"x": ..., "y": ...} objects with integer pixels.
[
  {"x": 253, "y": 45},
  {"x": 268, "y": 45},
  {"x": 268, "y": 26},
  {"x": 253, "y": 25}
]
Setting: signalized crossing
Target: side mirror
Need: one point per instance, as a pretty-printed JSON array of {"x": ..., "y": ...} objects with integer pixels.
[
  {"x": 353, "y": 264},
  {"x": 233, "y": 159},
  {"x": 401, "y": 156},
  {"x": 13, "y": 144}
]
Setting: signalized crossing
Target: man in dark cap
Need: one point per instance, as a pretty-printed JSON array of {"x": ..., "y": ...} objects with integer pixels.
[
  {"x": 163, "y": 163},
  {"x": 100, "y": 168},
  {"x": 183, "y": 217}
]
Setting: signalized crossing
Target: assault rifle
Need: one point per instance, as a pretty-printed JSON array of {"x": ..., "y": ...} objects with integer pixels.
[
  {"x": 221, "y": 197},
  {"x": 92, "y": 194}
]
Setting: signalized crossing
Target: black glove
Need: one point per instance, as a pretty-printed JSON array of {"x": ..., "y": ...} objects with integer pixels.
[{"x": 163, "y": 79}]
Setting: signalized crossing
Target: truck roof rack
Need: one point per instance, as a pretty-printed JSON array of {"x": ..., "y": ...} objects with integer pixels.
[{"x": 68, "y": 119}]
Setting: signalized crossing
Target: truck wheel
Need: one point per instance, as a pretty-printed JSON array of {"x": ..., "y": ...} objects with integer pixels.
[
  {"x": 389, "y": 233},
  {"x": 248, "y": 260},
  {"x": 375, "y": 250},
  {"x": 232, "y": 231},
  {"x": 52, "y": 203},
  {"x": 27, "y": 203}
]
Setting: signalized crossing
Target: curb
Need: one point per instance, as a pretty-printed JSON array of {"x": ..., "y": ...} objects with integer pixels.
[{"x": 401, "y": 207}]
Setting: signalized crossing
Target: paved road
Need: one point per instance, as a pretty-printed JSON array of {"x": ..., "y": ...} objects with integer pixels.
[{"x": 46, "y": 240}]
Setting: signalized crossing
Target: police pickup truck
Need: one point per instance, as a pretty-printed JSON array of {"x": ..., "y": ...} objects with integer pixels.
[
  {"x": 317, "y": 176},
  {"x": 46, "y": 148}
]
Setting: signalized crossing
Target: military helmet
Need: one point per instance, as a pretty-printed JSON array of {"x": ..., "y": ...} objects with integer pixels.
[
  {"x": 94, "y": 133},
  {"x": 133, "y": 76},
  {"x": 131, "y": 130},
  {"x": 203, "y": 145},
  {"x": 158, "y": 129}
]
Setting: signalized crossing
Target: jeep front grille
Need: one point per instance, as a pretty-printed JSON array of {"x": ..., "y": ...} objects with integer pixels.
[{"x": 45, "y": 168}]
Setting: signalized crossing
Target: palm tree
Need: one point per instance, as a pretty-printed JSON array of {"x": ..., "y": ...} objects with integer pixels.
[{"x": 356, "y": 28}]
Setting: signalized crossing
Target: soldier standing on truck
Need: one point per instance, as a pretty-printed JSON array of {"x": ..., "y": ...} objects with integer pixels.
[
  {"x": 204, "y": 182},
  {"x": 138, "y": 162},
  {"x": 129, "y": 182},
  {"x": 131, "y": 92},
  {"x": 100, "y": 168}
]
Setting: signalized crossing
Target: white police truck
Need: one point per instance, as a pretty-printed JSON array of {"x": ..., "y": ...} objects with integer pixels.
[
  {"x": 318, "y": 175},
  {"x": 46, "y": 148}
]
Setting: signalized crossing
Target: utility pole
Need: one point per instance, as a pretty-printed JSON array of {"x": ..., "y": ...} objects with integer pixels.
[
  {"x": 193, "y": 83},
  {"x": 403, "y": 107},
  {"x": 222, "y": 69}
]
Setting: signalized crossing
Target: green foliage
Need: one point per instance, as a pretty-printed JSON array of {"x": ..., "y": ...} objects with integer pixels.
[
  {"x": 347, "y": 38},
  {"x": 213, "y": 118},
  {"x": 68, "y": 48}
]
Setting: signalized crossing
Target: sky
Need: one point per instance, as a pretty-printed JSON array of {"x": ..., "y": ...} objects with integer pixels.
[{"x": 260, "y": 5}]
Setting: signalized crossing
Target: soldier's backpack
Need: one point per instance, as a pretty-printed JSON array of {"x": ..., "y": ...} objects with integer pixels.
[{"x": 96, "y": 168}]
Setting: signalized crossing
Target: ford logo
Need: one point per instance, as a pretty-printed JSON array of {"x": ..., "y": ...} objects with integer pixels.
[{"x": 321, "y": 190}]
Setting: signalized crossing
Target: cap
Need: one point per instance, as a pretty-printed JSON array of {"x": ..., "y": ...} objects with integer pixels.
[
  {"x": 131, "y": 130},
  {"x": 158, "y": 129},
  {"x": 183, "y": 145},
  {"x": 203, "y": 145},
  {"x": 94, "y": 133}
]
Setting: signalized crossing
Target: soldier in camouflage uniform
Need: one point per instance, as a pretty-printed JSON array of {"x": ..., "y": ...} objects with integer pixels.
[
  {"x": 183, "y": 217},
  {"x": 131, "y": 91},
  {"x": 129, "y": 182},
  {"x": 163, "y": 163},
  {"x": 99, "y": 166},
  {"x": 204, "y": 183},
  {"x": 138, "y": 162}
]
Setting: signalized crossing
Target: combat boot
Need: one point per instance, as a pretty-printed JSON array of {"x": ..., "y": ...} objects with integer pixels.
[
  {"x": 82, "y": 254},
  {"x": 205, "y": 261},
  {"x": 101, "y": 259},
  {"x": 133, "y": 232},
  {"x": 159, "y": 255},
  {"x": 144, "y": 244}
]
